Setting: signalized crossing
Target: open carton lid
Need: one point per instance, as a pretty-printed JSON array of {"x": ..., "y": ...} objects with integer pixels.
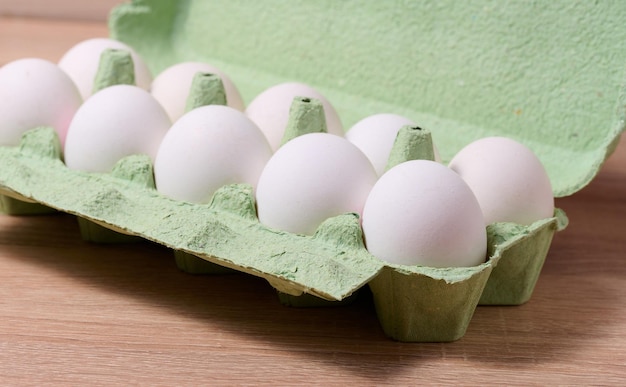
[{"x": 548, "y": 74}]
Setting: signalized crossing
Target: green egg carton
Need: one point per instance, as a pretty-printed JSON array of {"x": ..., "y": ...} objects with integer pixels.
[
  {"x": 413, "y": 303},
  {"x": 548, "y": 74}
]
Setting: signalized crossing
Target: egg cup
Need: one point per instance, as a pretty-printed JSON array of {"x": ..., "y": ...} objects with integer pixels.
[
  {"x": 522, "y": 253},
  {"x": 422, "y": 304}
]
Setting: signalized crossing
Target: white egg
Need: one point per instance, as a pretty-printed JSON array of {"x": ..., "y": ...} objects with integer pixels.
[
  {"x": 82, "y": 60},
  {"x": 311, "y": 178},
  {"x": 207, "y": 148},
  {"x": 422, "y": 213},
  {"x": 270, "y": 110},
  {"x": 508, "y": 179},
  {"x": 171, "y": 87},
  {"x": 375, "y": 136},
  {"x": 35, "y": 92},
  {"x": 116, "y": 122}
]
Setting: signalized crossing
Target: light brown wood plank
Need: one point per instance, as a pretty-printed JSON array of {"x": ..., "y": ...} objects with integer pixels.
[{"x": 97, "y": 10}]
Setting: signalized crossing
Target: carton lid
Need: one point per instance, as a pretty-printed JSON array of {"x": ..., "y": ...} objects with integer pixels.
[{"x": 549, "y": 74}]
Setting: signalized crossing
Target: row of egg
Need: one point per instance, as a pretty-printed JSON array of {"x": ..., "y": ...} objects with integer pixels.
[{"x": 417, "y": 212}]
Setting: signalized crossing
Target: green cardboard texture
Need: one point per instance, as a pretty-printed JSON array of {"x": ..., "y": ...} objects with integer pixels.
[
  {"x": 522, "y": 251},
  {"x": 549, "y": 74}
]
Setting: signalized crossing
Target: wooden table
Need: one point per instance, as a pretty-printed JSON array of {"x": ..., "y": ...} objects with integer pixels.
[{"x": 78, "y": 313}]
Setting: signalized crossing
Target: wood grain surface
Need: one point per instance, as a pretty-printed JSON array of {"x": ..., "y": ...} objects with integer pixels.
[
  {"x": 95, "y": 10},
  {"x": 74, "y": 313}
]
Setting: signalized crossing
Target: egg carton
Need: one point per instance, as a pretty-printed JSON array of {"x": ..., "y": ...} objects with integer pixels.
[
  {"x": 464, "y": 71},
  {"x": 413, "y": 303}
]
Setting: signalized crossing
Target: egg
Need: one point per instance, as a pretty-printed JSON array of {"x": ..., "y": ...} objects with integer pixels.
[
  {"x": 311, "y": 178},
  {"x": 171, "y": 87},
  {"x": 422, "y": 213},
  {"x": 207, "y": 148},
  {"x": 35, "y": 92},
  {"x": 115, "y": 122},
  {"x": 270, "y": 110},
  {"x": 82, "y": 60},
  {"x": 375, "y": 135},
  {"x": 508, "y": 179}
]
